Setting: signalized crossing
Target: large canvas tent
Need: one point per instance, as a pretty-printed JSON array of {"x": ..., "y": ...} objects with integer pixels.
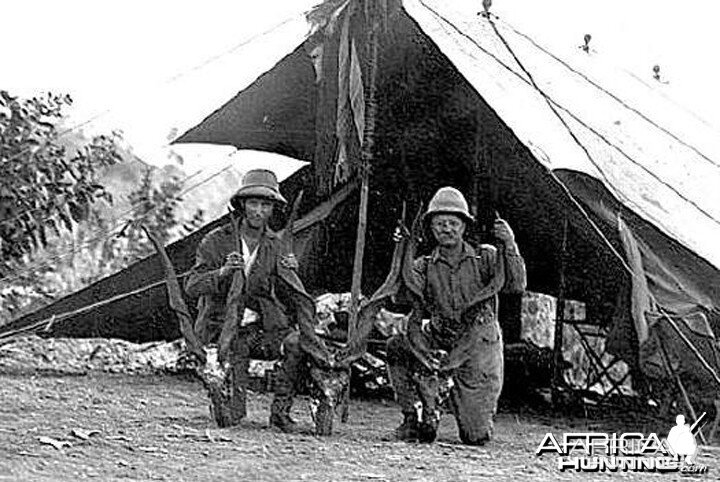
[{"x": 467, "y": 100}]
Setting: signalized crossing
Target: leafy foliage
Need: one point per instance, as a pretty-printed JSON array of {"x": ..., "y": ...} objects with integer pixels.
[
  {"x": 43, "y": 189},
  {"x": 56, "y": 239},
  {"x": 156, "y": 208},
  {"x": 98, "y": 246}
]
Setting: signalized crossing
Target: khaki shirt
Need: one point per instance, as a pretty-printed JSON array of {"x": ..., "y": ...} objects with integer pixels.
[
  {"x": 274, "y": 291},
  {"x": 450, "y": 287}
]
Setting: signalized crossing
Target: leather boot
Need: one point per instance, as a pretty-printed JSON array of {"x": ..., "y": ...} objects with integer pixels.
[
  {"x": 408, "y": 430},
  {"x": 280, "y": 414},
  {"x": 427, "y": 430}
]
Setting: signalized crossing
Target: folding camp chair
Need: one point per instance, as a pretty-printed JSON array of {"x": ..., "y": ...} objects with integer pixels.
[{"x": 600, "y": 368}]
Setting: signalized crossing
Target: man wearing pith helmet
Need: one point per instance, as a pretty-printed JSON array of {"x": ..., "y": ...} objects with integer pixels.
[
  {"x": 462, "y": 340},
  {"x": 278, "y": 319}
]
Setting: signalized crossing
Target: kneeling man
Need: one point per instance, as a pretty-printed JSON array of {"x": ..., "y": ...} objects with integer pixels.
[
  {"x": 277, "y": 322},
  {"x": 462, "y": 341}
]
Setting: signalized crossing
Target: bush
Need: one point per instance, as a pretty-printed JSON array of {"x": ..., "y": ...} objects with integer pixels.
[
  {"x": 43, "y": 188},
  {"x": 55, "y": 237}
]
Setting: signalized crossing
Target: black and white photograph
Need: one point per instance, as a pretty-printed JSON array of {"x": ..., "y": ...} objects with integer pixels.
[{"x": 359, "y": 240}]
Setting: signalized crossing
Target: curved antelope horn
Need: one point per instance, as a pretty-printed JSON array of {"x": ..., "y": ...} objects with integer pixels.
[
  {"x": 287, "y": 235},
  {"x": 175, "y": 298},
  {"x": 409, "y": 255},
  {"x": 235, "y": 300}
]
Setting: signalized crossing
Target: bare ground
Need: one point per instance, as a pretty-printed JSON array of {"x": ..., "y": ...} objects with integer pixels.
[{"x": 155, "y": 427}]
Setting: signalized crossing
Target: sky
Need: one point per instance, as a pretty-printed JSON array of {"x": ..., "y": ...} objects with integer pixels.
[{"x": 153, "y": 69}]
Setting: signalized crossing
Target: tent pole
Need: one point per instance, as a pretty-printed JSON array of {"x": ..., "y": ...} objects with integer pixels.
[
  {"x": 681, "y": 387},
  {"x": 359, "y": 254},
  {"x": 557, "y": 375},
  {"x": 365, "y": 166},
  {"x": 477, "y": 166}
]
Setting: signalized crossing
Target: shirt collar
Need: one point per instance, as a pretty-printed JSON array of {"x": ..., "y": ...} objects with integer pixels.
[
  {"x": 269, "y": 233},
  {"x": 466, "y": 251}
]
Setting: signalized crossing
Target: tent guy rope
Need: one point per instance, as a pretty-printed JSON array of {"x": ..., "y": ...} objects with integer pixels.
[
  {"x": 44, "y": 323},
  {"x": 597, "y": 229},
  {"x": 310, "y": 219},
  {"x": 554, "y": 105},
  {"x": 104, "y": 234},
  {"x": 622, "y": 102}
]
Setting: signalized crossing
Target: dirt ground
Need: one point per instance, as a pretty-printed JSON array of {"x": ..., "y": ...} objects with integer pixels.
[{"x": 157, "y": 427}]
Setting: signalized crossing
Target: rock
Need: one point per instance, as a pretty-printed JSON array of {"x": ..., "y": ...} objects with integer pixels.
[{"x": 58, "y": 444}]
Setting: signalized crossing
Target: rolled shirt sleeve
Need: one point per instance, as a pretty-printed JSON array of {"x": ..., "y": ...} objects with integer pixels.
[{"x": 515, "y": 271}]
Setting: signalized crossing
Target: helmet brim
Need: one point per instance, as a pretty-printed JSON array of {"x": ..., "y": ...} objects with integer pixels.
[
  {"x": 461, "y": 214},
  {"x": 262, "y": 192}
]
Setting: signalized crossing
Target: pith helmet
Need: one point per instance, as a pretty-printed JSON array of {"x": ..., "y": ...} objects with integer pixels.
[
  {"x": 260, "y": 183},
  {"x": 448, "y": 200}
]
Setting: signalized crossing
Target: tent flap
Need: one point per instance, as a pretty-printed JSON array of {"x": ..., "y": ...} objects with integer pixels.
[{"x": 276, "y": 113}]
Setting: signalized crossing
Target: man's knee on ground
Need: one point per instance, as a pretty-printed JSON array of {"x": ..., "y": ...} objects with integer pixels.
[
  {"x": 474, "y": 428},
  {"x": 468, "y": 439}
]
